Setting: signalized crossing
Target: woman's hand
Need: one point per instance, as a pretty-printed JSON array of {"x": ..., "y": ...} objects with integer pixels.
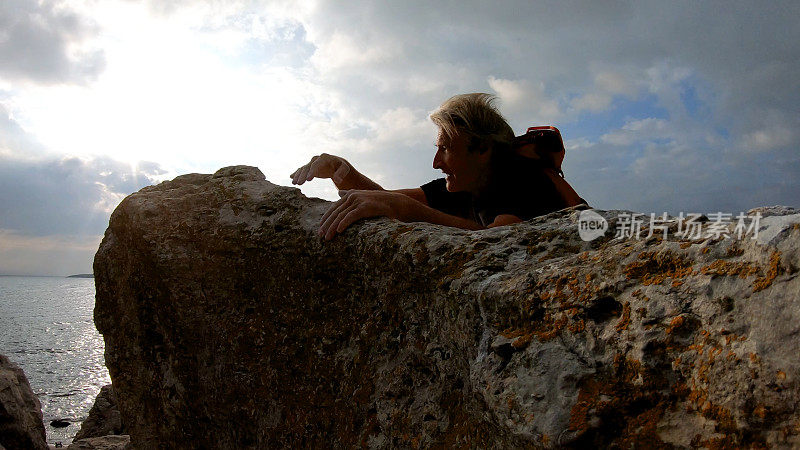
[
  {"x": 359, "y": 204},
  {"x": 323, "y": 166}
]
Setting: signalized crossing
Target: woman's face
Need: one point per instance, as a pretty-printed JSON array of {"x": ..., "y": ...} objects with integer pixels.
[{"x": 464, "y": 170}]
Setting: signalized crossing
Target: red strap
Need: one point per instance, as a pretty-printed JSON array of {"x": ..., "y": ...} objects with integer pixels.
[
  {"x": 570, "y": 197},
  {"x": 546, "y": 127}
]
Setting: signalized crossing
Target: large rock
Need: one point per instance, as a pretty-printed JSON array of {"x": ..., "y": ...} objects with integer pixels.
[
  {"x": 104, "y": 417},
  {"x": 20, "y": 410},
  {"x": 228, "y": 322}
]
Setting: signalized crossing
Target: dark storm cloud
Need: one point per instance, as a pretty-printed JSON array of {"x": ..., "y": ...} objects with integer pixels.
[
  {"x": 40, "y": 42},
  {"x": 67, "y": 196}
]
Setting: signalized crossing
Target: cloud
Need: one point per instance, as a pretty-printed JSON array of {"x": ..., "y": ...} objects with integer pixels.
[
  {"x": 46, "y": 194},
  {"x": 647, "y": 129},
  {"x": 43, "y": 42},
  {"x": 14, "y": 139},
  {"x": 521, "y": 98},
  {"x": 67, "y": 196}
]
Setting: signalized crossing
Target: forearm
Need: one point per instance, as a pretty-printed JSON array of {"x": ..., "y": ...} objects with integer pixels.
[
  {"x": 418, "y": 212},
  {"x": 356, "y": 180}
]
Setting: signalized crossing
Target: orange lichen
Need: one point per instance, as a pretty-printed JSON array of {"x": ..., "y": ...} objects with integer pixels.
[
  {"x": 654, "y": 268},
  {"x": 742, "y": 269},
  {"x": 522, "y": 341},
  {"x": 734, "y": 251},
  {"x": 697, "y": 347},
  {"x": 577, "y": 327},
  {"x": 676, "y": 323},
  {"x": 625, "y": 320},
  {"x": 781, "y": 375},
  {"x": 623, "y": 390},
  {"x": 774, "y": 269},
  {"x": 543, "y": 329},
  {"x": 712, "y": 354},
  {"x": 583, "y": 408}
]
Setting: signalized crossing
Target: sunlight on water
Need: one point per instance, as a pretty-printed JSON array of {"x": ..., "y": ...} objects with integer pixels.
[{"x": 48, "y": 330}]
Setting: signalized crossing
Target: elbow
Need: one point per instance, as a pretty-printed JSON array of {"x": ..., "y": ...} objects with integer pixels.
[{"x": 504, "y": 219}]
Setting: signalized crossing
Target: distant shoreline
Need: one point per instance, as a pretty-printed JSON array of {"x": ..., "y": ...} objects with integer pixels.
[{"x": 80, "y": 275}]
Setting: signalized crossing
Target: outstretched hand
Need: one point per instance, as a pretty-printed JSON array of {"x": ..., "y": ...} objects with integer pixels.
[
  {"x": 322, "y": 166},
  {"x": 356, "y": 204}
]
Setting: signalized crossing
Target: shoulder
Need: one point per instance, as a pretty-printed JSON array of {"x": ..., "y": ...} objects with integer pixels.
[
  {"x": 521, "y": 187},
  {"x": 438, "y": 197}
]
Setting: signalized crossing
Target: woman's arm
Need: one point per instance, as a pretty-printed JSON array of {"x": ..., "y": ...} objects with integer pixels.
[
  {"x": 355, "y": 205},
  {"x": 343, "y": 174}
]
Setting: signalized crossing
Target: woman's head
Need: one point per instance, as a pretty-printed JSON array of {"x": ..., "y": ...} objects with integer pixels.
[{"x": 474, "y": 116}]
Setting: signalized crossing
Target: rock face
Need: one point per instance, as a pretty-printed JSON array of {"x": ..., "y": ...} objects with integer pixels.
[
  {"x": 111, "y": 442},
  {"x": 104, "y": 418},
  {"x": 20, "y": 410},
  {"x": 227, "y": 321}
]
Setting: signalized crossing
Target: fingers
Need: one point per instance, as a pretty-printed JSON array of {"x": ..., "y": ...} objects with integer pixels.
[
  {"x": 313, "y": 169},
  {"x": 296, "y": 175},
  {"x": 304, "y": 173},
  {"x": 332, "y": 209},
  {"x": 330, "y": 216},
  {"x": 336, "y": 225},
  {"x": 353, "y": 205},
  {"x": 348, "y": 217}
]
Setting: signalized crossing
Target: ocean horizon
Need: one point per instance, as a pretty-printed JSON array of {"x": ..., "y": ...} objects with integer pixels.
[{"x": 48, "y": 330}]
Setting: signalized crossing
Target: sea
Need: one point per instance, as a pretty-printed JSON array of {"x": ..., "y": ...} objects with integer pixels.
[{"x": 47, "y": 328}]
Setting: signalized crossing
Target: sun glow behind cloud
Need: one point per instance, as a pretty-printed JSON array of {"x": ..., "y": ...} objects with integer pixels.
[{"x": 170, "y": 94}]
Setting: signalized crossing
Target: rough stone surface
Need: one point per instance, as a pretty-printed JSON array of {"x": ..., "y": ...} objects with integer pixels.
[
  {"x": 104, "y": 418},
  {"x": 228, "y": 321},
  {"x": 110, "y": 442},
  {"x": 20, "y": 410}
]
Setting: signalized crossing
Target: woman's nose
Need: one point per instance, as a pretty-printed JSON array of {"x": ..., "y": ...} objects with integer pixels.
[{"x": 437, "y": 163}]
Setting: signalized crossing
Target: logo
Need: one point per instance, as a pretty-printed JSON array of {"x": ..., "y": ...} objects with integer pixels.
[{"x": 591, "y": 225}]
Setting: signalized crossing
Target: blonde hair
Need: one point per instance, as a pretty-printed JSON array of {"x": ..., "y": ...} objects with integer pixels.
[{"x": 476, "y": 115}]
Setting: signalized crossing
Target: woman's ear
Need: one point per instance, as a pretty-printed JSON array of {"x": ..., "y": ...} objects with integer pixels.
[
  {"x": 483, "y": 146},
  {"x": 485, "y": 154}
]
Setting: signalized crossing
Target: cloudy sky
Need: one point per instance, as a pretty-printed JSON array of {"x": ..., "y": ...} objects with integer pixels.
[{"x": 664, "y": 106}]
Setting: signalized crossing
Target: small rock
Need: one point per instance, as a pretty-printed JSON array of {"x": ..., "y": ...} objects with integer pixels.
[
  {"x": 111, "y": 442},
  {"x": 104, "y": 418}
]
